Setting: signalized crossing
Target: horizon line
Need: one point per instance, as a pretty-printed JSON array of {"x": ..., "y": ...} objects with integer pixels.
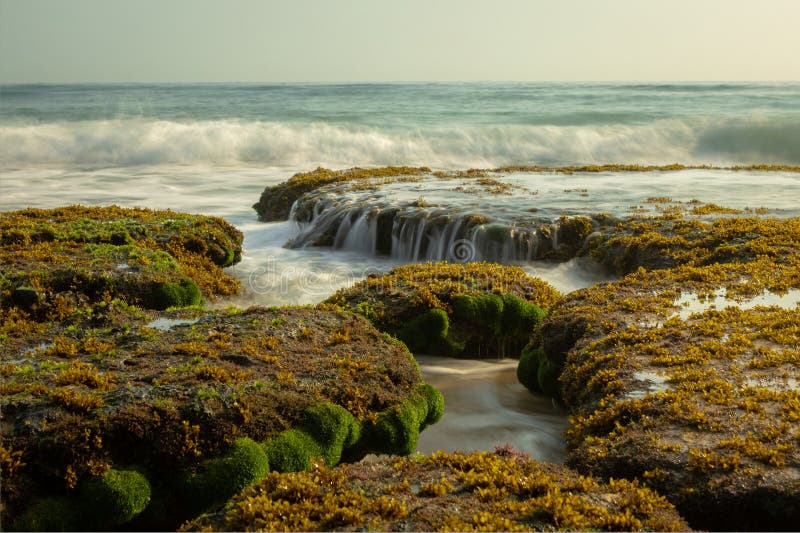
[{"x": 398, "y": 82}]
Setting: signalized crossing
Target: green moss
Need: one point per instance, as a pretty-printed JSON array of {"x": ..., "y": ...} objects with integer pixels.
[
  {"x": 292, "y": 450},
  {"x": 483, "y": 309},
  {"x": 245, "y": 463},
  {"x": 547, "y": 378},
  {"x": 182, "y": 294},
  {"x": 48, "y": 514},
  {"x": 528, "y": 368},
  {"x": 426, "y": 333},
  {"x": 519, "y": 316},
  {"x": 396, "y": 430},
  {"x": 435, "y": 402},
  {"x": 333, "y": 428},
  {"x": 115, "y": 497}
]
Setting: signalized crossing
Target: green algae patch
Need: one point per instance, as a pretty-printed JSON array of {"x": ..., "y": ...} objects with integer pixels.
[
  {"x": 701, "y": 405},
  {"x": 200, "y": 403},
  {"x": 181, "y": 294},
  {"x": 325, "y": 432},
  {"x": 58, "y": 262},
  {"x": 396, "y": 430},
  {"x": 244, "y": 463},
  {"x": 481, "y": 491},
  {"x": 472, "y": 309},
  {"x": 115, "y": 497}
]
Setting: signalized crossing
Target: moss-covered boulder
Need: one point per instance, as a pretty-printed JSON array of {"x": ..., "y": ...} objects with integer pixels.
[
  {"x": 219, "y": 479},
  {"x": 481, "y": 491},
  {"x": 196, "y": 403},
  {"x": 687, "y": 379},
  {"x": 115, "y": 497},
  {"x": 60, "y": 262},
  {"x": 470, "y": 309}
]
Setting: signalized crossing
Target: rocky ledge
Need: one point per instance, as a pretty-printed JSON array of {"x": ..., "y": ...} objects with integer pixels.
[{"x": 688, "y": 379}]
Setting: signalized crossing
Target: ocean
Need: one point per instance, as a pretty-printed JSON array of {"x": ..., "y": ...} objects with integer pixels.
[
  {"x": 439, "y": 125},
  {"x": 212, "y": 148}
]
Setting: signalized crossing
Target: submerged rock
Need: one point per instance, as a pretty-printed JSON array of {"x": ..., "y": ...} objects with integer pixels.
[{"x": 481, "y": 491}]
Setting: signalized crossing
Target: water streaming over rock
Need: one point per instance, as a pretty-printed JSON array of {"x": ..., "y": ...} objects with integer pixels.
[{"x": 413, "y": 231}]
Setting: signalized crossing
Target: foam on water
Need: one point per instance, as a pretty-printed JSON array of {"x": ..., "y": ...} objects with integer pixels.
[{"x": 141, "y": 141}]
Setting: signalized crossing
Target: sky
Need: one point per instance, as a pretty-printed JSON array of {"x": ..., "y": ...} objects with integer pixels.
[{"x": 182, "y": 41}]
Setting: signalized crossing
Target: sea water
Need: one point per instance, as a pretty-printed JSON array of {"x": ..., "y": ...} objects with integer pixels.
[{"x": 212, "y": 148}]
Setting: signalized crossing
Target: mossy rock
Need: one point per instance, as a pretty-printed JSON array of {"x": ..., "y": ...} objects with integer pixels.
[
  {"x": 245, "y": 463},
  {"x": 435, "y": 403},
  {"x": 333, "y": 427},
  {"x": 88, "y": 255},
  {"x": 396, "y": 430},
  {"x": 181, "y": 294},
  {"x": 292, "y": 451},
  {"x": 501, "y": 491},
  {"x": 528, "y": 368},
  {"x": 325, "y": 432},
  {"x": 114, "y": 497},
  {"x": 671, "y": 240},
  {"x": 426, "y": 333},
  {"x": 472, "y": 309},
  {"x": 302, "y": 380},
  {"x": 210, "y": 237}
]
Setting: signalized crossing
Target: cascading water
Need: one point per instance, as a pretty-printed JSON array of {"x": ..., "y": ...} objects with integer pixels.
[{"x": 411, "y": 231}]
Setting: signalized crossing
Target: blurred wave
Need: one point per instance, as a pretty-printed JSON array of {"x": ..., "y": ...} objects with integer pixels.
[{"x": 142, "y": 141}]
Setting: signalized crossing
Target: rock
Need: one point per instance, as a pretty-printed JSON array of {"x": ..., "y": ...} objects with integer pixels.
[
  {"x": 85, "y": 255},
  {"x": 73, "y": 410},
  {"x": 471, "y": 309},
  {"x": 25, "y": 297},
  {"x": 276, "y": 201},
  {"x": 501, "y": 491},
  {"x": 703, "y": 407}
]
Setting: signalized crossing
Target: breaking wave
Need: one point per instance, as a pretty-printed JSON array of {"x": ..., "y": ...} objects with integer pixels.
[{"x": 141, "y": 141}]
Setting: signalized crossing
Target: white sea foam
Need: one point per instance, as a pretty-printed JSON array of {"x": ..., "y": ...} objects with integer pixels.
[{"x": 141, "y": 141}]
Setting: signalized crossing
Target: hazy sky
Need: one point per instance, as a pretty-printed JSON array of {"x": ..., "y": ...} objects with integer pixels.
[{"x": 397, "y": 40}]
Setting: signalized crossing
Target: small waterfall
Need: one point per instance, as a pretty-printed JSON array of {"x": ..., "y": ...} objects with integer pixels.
[{"x": 409, "y": 232}]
